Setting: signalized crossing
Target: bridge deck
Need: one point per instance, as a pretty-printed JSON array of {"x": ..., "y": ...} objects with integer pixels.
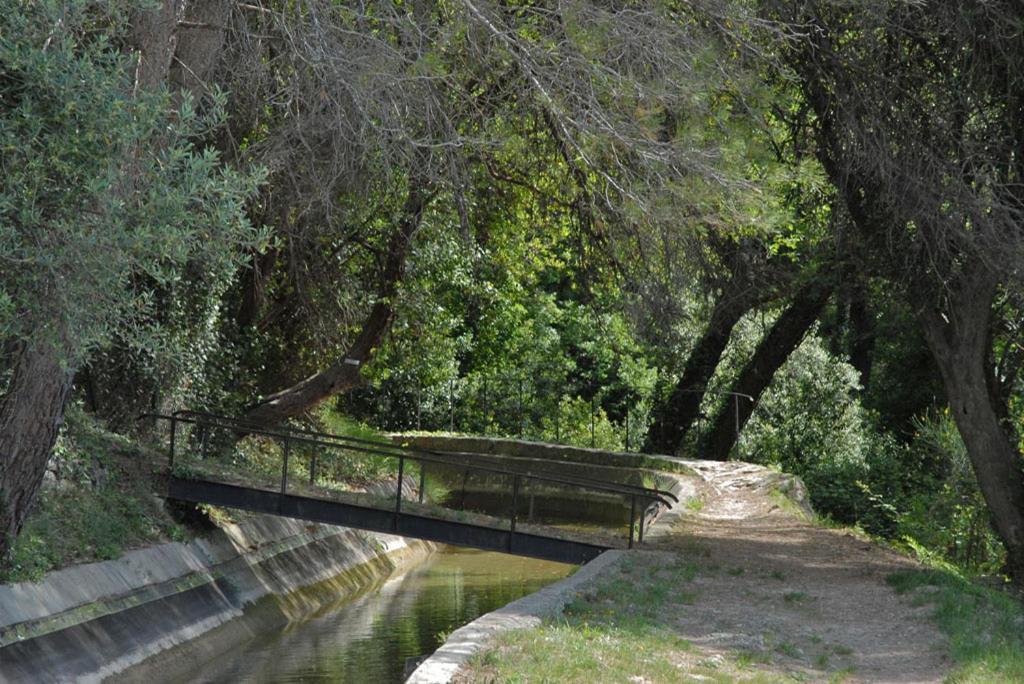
[
  {"x": 231, "y": 478},
  {"x": 387, "y": 521}
]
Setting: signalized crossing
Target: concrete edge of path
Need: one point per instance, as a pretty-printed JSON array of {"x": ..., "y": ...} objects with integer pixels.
[{"x": 528, "y": 611}]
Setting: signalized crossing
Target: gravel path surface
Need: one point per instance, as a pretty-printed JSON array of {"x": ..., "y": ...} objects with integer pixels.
[{"x": 813, "y": 597}]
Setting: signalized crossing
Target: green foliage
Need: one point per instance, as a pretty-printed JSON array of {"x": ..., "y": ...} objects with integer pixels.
[
  {"x": 353, "y": 466},
  {"x": 810, "y": 423},
  {"x": 75, "y": 524},
  {"x": 905, "y": 382},
  {"x": 105, "y": 197},
  {"x": 947, "y": 513},
  {"x": 529, "y": 368}
]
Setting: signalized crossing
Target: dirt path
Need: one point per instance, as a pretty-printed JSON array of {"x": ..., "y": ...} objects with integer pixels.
[{"x": 811, "y": 601}]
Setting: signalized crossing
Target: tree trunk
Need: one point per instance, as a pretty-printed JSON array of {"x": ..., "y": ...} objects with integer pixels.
[
  {"x": 675, "y": 417},
  {"x": 862, "y": 334},
  {"x": 154, "y": 34},
  {"x": 958, "y": 335},
  {"x": 785, "y": 335},
  {"x": 31, "y": 413},
  {"x": 344, "y": 373}
]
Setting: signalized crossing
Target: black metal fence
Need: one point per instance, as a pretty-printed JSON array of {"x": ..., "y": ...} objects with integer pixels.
[{"x": 202, "y": 437}]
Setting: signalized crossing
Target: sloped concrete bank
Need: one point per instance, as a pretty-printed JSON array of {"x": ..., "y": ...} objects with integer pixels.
[{"x": 125, "y": 618}]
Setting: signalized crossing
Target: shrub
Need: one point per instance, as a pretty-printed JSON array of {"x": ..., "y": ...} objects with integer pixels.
[{"x": 947, "y": 513}]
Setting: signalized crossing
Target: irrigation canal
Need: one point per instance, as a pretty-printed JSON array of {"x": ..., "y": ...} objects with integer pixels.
[{"x": 368, "y": 636}]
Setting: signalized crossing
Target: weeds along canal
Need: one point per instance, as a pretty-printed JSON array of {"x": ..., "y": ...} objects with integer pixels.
[{"x": 368, "y": 636}]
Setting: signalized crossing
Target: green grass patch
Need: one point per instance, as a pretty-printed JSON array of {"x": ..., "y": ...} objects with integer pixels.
[
  {"x": 617, "y": 629},
  {"x": 781, "y": 499},
  {"x": 74, "y": 524},
  {"x": 840, "y": 675},
  {"x": 985, "y": 627},
  {"x": 796, "y": 597}
]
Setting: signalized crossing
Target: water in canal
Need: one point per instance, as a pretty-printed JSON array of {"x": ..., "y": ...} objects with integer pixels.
[{"x": 367, "y": 637}]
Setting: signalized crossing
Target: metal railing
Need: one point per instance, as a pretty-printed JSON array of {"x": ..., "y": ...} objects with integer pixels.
[
  {"x": 290, "y": 436},
  {"x": 701, "y": 416}
]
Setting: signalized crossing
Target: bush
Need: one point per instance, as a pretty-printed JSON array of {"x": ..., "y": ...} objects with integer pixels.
[
  {"x": 810, "y": 423},
  {"x": 947, "y": 514}
]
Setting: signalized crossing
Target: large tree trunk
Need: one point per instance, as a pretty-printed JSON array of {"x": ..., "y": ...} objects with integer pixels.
[
  {"x": 785, "y": 335},
  {"x": 958, "y": 335},
  {"x": 862, "y": 333},
  {"x": 31, "y": 413},
  {"x": 344, "y": 373},
  {"x": 674, "y": 418}
]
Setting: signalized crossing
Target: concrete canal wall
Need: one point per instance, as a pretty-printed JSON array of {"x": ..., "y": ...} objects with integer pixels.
[{"x": 116, "y": 619}]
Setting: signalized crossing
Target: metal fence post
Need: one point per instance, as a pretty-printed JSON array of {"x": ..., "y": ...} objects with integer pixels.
[
  {"x": 398, "y": 494},
  {"x": 487, "y": 422},
  {"x": 640, "y": 527},
  {"x": 515, "y": 506},
  {"x": 700, "y": 433},
  {"x": 520, "y": 407},
  {"x": 558, "y": 418},
  {"x": 592, "y": 419},
  {"x": 632, "y": 518},
  {"x": 451, "y": 404},
  {"x": 423, "y": 479},
  {"x": 284, "y": 465},
  {"x": 627, "y": 428},
  {"x": 204, "y": 440},
  {"x": 736, "y": 402},
  {"x": 312, "y": 468},
  {"x": 465, "y": 479},
  {"x": 170, "y": 448}
]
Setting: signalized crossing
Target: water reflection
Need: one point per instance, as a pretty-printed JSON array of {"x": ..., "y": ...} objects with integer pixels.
[{"x": 367, "y": 637}]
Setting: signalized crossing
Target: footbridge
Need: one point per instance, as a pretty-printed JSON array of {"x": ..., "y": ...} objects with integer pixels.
[{"x": 306, "y": 474}]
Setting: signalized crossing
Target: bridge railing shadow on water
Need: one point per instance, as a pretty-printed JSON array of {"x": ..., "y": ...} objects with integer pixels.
[{"x": 482, "y": 501}]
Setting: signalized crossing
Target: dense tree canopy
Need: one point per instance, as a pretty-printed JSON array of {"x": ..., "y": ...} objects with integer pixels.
[{"x": 787, "y": 232}]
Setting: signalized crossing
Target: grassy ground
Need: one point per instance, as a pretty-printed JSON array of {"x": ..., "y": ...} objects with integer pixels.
[
  {"x": 96, "y": 502},
  {"x": 985, "y": 627},
  {"x": 619, "y": 630},
  {"x": 628, "y": 626}
]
